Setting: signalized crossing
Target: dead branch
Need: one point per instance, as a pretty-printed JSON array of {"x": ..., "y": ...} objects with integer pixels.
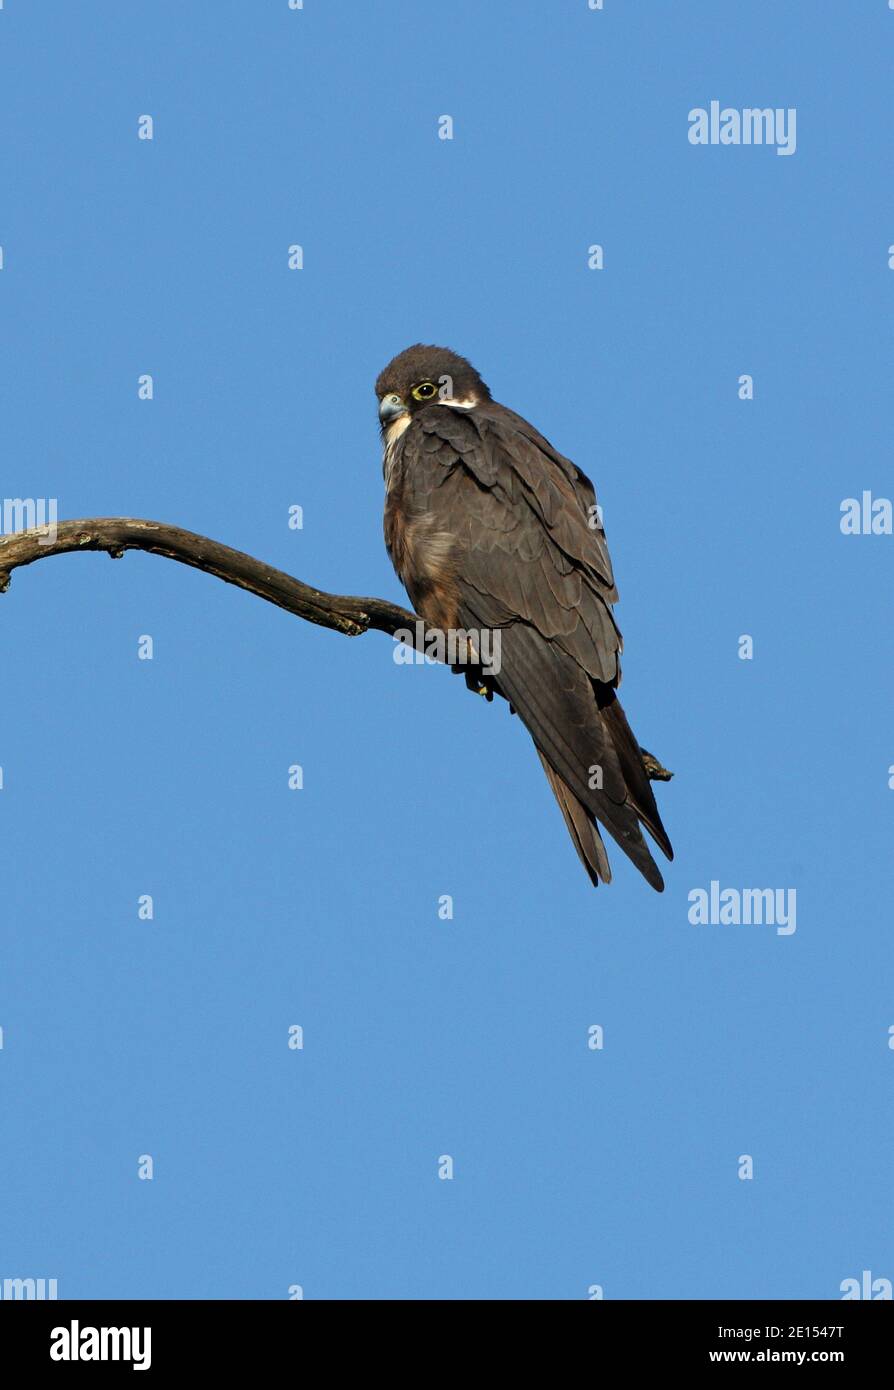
[{"x": 115, "y": 534}]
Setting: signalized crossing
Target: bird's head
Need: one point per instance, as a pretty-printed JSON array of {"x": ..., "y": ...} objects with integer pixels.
[{"x": 421, "y": 376}]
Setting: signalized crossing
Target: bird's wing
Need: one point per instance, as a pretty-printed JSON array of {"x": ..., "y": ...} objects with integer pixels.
[
  {"x": 525, "y": 519},
  {"x": 531, "y": 559}
]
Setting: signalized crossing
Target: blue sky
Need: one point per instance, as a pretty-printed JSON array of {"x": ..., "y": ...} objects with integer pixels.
[{"x": 318, "y": 1167}]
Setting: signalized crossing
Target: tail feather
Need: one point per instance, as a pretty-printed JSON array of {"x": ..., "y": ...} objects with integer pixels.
[
  {"x": 630, "y": 756},
  {"x": 559, "y": 704},
  {"x": 582, "y": 828},
  {"x": 578, "y": 725}
]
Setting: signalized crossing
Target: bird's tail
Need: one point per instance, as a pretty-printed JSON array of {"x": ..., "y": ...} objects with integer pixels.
[
  {"x": 582, "y": 828},
  {"x": 643, "y": 809},
  {"x": 592, "y": 760},
  {"x": 630, "y": 756},
  {"x": 582, "y": 825}
]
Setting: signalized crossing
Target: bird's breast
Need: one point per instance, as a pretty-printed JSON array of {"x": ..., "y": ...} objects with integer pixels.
[{"x": 423, "y": 553}]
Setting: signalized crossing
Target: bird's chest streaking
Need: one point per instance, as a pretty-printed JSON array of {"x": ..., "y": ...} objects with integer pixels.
[{"x": 422, "y": 552}]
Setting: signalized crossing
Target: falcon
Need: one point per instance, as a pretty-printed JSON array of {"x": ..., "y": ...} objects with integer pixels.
[{"x": 491, "y": 528}]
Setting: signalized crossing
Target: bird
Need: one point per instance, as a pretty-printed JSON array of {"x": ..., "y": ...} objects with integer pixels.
[{"x": 491, "y": 529}]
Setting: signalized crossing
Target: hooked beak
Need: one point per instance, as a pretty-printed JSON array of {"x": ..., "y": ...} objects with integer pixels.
[{"x": 389, "y": 409}]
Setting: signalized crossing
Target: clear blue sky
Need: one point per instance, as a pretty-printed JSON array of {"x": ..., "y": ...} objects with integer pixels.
[{"x": 573, "y": 1167}]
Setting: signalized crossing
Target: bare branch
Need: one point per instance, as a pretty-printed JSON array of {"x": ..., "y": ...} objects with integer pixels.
[{"x": 115, "y": 534}]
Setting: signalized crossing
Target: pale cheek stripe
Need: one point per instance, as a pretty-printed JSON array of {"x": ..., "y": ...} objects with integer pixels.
[{"x": 394, "y": 432}]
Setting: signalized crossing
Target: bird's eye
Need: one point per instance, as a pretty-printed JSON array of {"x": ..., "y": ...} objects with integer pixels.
[{"x": 424, "y": 391}]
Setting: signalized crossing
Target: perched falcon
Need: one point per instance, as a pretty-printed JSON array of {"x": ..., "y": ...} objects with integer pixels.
[{"x": 490, "y": 528}]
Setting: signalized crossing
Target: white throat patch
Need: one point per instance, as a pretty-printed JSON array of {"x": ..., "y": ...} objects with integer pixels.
[
  {"x": 396, "y": 429},
  {"x": 393, "y": 434}
]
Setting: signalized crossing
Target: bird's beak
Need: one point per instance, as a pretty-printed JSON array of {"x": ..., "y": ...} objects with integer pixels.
[{"x": 390, "y": 407}]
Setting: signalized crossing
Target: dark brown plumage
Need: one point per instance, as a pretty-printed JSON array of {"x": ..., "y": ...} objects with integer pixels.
[{"x": 490, "y": 527}]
